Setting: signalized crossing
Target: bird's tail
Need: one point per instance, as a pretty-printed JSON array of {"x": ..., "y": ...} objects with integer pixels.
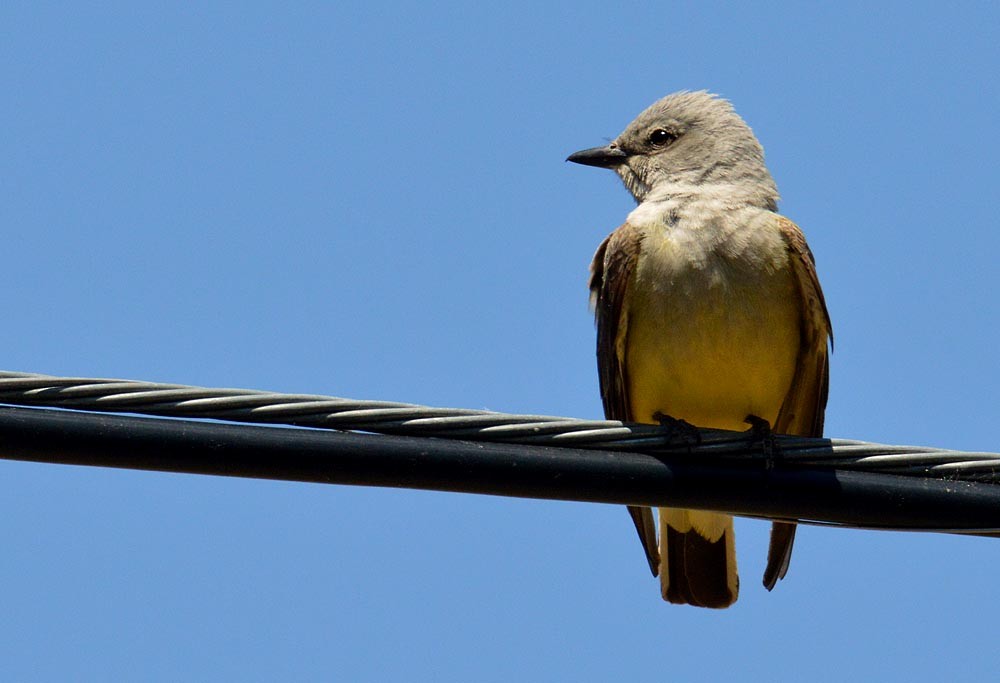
[{"x": 698, "y": 558}]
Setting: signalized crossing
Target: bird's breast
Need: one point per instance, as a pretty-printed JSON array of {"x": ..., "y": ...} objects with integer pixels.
[{"x": 713, "y": 327}]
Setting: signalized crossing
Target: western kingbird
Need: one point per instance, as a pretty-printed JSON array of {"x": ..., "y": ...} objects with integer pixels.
[{"x": 708, "y": 310}]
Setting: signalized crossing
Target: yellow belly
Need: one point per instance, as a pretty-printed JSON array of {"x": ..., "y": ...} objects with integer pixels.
[{"x": 712, "y": 346}]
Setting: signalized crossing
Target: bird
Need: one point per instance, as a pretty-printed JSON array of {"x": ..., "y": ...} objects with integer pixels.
[{"x": 709, "y": 313}]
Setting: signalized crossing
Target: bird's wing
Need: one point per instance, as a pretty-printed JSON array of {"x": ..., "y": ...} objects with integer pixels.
[
  {"x": 802, "y": 412},
  {"x": 611, "y": 274}
]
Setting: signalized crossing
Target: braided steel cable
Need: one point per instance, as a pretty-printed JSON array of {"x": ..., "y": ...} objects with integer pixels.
[{"x": 388, "y": 417}]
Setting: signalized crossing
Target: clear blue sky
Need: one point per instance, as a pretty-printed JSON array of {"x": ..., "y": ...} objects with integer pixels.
[{"x": 373, "y": 203}]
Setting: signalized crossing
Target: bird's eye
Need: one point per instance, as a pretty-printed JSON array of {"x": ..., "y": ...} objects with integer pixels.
[{"x": 661, "y": 137}]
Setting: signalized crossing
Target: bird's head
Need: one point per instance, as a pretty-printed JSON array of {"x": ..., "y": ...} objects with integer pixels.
[{"x": 685, "y": 142}]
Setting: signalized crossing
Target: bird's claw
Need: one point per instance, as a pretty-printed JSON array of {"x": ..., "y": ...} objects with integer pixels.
[
  {"x": 760, "y": 432},
  {"x": 678, "y": 430}
]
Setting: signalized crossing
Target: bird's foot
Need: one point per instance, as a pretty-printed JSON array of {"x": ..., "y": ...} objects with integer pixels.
[
  {"x": 678, "y": 432},
  {"x": 760, "y": 433}
]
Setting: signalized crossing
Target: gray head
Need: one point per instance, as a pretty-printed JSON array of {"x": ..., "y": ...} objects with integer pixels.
[{"x": 685, "y": 144}]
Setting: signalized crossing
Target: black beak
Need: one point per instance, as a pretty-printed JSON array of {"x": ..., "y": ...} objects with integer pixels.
[{"x": 602, "y": 157}]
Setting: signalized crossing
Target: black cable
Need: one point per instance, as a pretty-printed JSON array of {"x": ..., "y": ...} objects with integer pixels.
[{"x": 755, "y": 487}]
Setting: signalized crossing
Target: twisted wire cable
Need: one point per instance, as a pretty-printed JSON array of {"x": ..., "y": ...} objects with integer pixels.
[{"x": 388, "y": 417}]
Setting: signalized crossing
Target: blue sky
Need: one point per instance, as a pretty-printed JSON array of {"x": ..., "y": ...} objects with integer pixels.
[{"x": 371, "y": 201}]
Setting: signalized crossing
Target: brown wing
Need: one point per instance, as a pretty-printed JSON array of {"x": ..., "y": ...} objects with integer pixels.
[
  {"x": 803, "y": 410},
  {"x": 611, "y": 274},
  {"x": 610, "y": 277}
]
